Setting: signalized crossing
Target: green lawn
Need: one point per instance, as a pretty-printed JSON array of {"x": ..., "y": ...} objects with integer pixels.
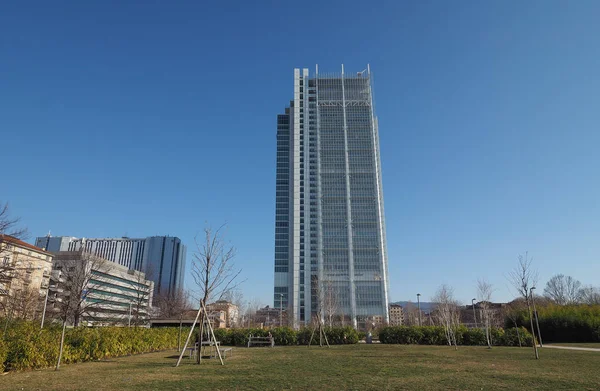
[{"x": 360, "y": 367}]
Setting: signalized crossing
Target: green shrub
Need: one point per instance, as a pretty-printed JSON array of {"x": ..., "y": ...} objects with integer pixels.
[
  {"x": 284, "y": 336},
  {"x": 435, "y": 335},
  {"x": 566, "y": 323},
  {"x": 3, "y": 354},
  {"x": 475, "y": 337},
  {"x": 341, "y": 335},
  {"x": 303, "y": 335},
  {"x": 26, "y": 346},
  {"x": 511, "y": 338}
]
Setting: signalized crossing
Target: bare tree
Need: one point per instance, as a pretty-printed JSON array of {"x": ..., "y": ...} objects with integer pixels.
[
  {"x": 214, "y": 272},
  {"x": 11, "y": 225},
  {"x": 447, "y": 312},
  {"x": 213, "y": 268},
  {"x": 484, "y": 292},
  {"x": 523, "y": 278},
  {"x": 172, "y": 306},
  {"x": 22, "y": 304},
  {"x": 252, "y": 308},
  {"x": 590, "y": 295},
  {"x": 81, "y": 273},
  {"x": 142, "y": 292},
  {"x": 330, "y": 302},
  {"x": 411, "y": 314},
  {"x": 328, "y": 305},
  {"x": 563, "y": 290}
]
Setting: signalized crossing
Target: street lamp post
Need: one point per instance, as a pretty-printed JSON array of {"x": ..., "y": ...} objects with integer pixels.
[
  {"x": 280, "y": 309},
  {"x": 537, "y": 322},
  {"x": 474, "y": 313},
  {"x": 45, "y": 304},
  {"x": 419, "y": 306}
]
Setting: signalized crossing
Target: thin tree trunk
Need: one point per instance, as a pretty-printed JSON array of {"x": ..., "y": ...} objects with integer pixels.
[
  {"x": 179, "y": 338},
  {"x": 200, "y": 339},
  {"x": 535, "y": 349},
  {"x": 62, "y": 342},
  {"x": 518, "y": 334},
  {"x": 5, "y": 326}
]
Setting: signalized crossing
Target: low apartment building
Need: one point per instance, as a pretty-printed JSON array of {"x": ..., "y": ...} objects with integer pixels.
[
  {"x": 24, "y": 278},
  {"x": 396, "y": 315},
  {"x": 100, "y": 292}
]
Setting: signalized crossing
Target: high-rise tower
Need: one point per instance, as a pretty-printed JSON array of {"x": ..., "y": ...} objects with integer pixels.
[{"x": 330, "y": 245}]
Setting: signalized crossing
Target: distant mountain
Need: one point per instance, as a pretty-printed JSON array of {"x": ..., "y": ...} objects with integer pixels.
[{"x": 426, "y": 306}]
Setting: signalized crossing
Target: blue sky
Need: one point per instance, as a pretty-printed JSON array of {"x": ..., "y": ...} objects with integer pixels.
[{"x": 153, "y": 118}]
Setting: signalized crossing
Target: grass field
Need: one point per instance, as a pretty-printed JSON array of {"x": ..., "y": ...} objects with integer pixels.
[{"x": 391, "y": 367}]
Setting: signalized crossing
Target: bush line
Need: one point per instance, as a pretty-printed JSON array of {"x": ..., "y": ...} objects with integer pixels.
[{"x": 434, "y": 335}]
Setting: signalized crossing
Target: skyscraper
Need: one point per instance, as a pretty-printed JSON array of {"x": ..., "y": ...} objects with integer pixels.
[
  {"x": 330, "y": 245},
  {"x": 162, "y": 258}
]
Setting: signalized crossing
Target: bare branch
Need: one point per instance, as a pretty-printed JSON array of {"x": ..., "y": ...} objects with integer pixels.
[
  {"x": 10, "y": 225},
  {"x": 523, "y": 277},
  {"x": 213, "y": 268},
  {"x": 563, "y": 290},
  {"x": 447, "y": 312},
  {"x": 484, "y": 291}
]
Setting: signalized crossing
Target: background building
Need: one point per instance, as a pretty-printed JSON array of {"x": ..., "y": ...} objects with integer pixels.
[
  {"x": 112, "y": 293},
  {"x": 24, "y": 277},
  {"x": 230, "y": 310},
  {"x": 396, "y": 315},
  {"x": 270, "y": 317},
  {"x": 329, "y": 217},
  {"x": 162, "y": 258}
]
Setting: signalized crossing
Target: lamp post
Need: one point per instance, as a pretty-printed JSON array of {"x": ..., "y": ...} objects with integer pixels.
[
  {"x": 280, "y": 309},
  {"x": 129, "y": 314},
  {"x": 45, "y": 304},
  {"x": 47, "y": 293},
  {"x": 537, "y": 322},
  {"x": 474, "y": 313},
  {"x": 419, "y": 306}
]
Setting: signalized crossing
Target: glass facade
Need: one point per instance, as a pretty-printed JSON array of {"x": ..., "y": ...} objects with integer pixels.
[{"x": 330, "y": 227}]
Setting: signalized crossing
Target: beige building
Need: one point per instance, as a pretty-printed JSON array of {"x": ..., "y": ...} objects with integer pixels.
[
  {"x": 396, "y": 315},
  {"x": 230, "y": 312},
  {"x": 24, "y": 277}
]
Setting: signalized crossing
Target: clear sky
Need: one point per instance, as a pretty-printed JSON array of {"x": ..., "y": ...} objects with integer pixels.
[{"x": 144, "y": 118}]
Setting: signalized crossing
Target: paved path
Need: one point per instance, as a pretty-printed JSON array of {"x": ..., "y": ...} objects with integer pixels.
[{"x": 571, "y": 348}]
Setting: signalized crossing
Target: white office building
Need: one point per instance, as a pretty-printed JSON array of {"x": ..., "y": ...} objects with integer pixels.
[{"x": 162, "y": 258}]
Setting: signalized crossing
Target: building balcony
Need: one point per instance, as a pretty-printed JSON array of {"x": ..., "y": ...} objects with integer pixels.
[{"x": 56, "y": 288}]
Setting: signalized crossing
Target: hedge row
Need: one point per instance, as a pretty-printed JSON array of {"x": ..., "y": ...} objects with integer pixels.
[
  {"x": 285, "y": 336},
  {"x": 435, "y": 335},
  {"x": 26, "y": 346},
  {"x": 569, "y": 323}
]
